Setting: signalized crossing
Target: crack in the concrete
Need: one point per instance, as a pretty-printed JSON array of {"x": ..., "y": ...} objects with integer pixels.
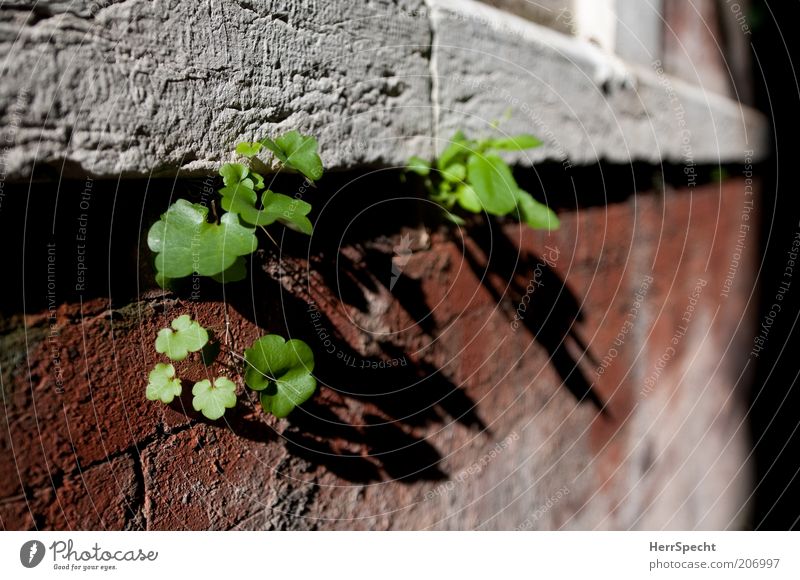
[{"x": 434, "y": 84}]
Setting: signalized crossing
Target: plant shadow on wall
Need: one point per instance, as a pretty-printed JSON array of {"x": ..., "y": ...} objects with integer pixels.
[
  {"x": 334, "y": 285},
  {"x": 469, "y": 174},
  {"x": 406, "y": 389},
  {"x": 517, "y": 277},
  {"x": 322, "y": 290},
  {"x": 383, "y": 435},
  {"x": 345, "y": 277},
  {"x": 399, "y": 392}
]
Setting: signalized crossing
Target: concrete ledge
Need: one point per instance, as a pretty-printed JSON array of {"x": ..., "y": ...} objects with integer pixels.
[
  {"x": 129, "y": 88},
  {"x": 584, "y": 103}
]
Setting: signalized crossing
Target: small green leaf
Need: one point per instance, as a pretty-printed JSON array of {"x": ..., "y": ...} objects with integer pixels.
[
  {"x": 455, "y": 173},
  {"x": 184, "y": 242},
  {"x": 185, "y": 336},
  {"x": 493, "y": 183},
  {"x": 468, "y": 199},
  {"x": 535, "y": 214},
  {"x": 289, "y": 211},
  {"x": 298, "y": 152},
  {"x": 235, "y": 273},
  {"x": 163, "y": 281},
  {"x": 233, "y": 173},
  {"x": 281, "y": 397},
  {"x": 292, "y": 211},
  {"x": 212, "y": 397},
  {"x": 162, "y": 384},
  {"x": 248, "y": 149},
  {"x": 457, "y": 151},
  {"x": 258, "y": 180},
  {"x": 458, "y": 220},
  {"x": 281, "y": 370},
  {"x": 419, "y": 166},
  {"x": 515, "y": 143},
  {"x": 242, "y": 199}
]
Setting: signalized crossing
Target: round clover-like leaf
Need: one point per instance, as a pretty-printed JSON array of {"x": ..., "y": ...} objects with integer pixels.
[
  {"x": 454, "y": 173},
  {"x": 289, "y": 211},
  {"x": 281, "y": 371},
  {"x": 185, "y": 336},
  {"x": 468, "y": 199},
  {"x": 212, "y": 397},
  {"x": 248, "y": 149},
  {"x": 235, "y": 273},
  {"x": 299, "y": 152},
  {"x": 281, "y": 397},
  {"x": 233, "y": 173},
  {"x": 184, "y": 242},
  {"x": 162, "y": 384}
]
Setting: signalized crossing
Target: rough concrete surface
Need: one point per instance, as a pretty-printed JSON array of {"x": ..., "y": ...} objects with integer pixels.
[{"x": 136, "y": 87}]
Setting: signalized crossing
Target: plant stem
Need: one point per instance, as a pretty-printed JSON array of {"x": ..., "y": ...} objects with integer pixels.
[
  {"x": 269, "y": 236},
  {"x": 241, "y": 358}
]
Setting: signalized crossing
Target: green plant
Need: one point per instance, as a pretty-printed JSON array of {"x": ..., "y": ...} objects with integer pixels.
[
  {"x": 279, "y": 370},
  {"x": 213, "y": 397},
  {"x": 162, "y": 384},
  {"x": 185, "y": 336},
  {"x": 470, "y": 173},
  {"x": 185, "y": 242}
]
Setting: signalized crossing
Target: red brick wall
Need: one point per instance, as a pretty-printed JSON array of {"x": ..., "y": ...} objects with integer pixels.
[{"x": 481, "y": 427}]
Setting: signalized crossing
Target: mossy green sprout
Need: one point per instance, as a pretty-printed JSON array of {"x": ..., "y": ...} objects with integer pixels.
[{"x": 471, "y": 176}]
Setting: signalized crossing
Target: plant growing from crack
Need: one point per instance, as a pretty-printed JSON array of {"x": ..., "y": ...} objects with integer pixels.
[
  {"x": 471, "y": 175},
  {"x": 185, "y": 242},
  {"x": 277, "y": 369}
]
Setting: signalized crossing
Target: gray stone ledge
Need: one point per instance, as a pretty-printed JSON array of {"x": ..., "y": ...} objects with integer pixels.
[
  {"x": 587, "y": 105},
  {"x": 137, "y": 86},
  {"x": 129, "y": 88}
]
